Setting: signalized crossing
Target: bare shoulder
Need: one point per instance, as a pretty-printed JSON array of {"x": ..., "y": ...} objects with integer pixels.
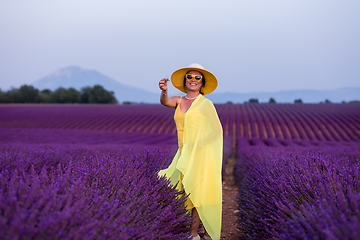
[
  {"x": 177, "y": 100},
  {"x": 172, "y": 101}
]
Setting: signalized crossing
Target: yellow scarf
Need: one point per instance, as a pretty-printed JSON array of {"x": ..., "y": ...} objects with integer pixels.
[{"x": 200, "y": 162}]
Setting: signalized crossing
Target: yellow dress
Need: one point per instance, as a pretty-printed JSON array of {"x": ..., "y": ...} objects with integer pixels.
[
  {"x": 179, "y": 118},
  {"x": 197, "y": 164}
]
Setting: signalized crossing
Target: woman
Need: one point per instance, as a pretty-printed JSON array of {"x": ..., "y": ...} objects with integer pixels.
[{"x": 197, "y": 164}]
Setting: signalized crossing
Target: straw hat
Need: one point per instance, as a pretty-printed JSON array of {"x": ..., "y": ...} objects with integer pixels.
[{"x": 177, "y": 78}]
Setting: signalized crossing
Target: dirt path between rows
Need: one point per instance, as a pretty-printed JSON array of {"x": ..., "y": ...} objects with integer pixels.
[{"x": 229, "y": 219}]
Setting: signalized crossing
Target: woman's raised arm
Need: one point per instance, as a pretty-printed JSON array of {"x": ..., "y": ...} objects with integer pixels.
[{"x": 164, "y": 99}]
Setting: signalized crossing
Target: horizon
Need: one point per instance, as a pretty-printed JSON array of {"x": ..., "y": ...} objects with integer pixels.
[
  {"x": 78, "y": 78},
  {"x": 172, "y": 90}
]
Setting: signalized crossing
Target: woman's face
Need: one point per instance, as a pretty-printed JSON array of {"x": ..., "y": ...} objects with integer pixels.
[{"x": 193, "y": 84}]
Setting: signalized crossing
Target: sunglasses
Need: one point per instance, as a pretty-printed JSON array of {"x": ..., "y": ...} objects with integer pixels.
[{"x": 190, "y": 77}]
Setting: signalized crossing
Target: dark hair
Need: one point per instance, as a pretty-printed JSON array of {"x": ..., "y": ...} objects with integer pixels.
[{"x": 202, "y": 81}]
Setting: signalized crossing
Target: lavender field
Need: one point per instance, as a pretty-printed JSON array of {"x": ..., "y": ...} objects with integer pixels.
[
  {"x": 80, "y": 192},
  {"x": 75, "y": 171},
  {"x": 299, "y": 192}
]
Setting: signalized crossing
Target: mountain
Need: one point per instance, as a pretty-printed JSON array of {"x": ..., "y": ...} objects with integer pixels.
[
  {"x": 307, "y": 96},
  {"x": 77, "y": 78}
]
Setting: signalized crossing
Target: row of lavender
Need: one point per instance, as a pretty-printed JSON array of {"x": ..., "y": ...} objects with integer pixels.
[
  {"x": 300, "y": 122},
  {"x": 82, "y": 192},
  {"x": 124, "y": 139},
  {"x": 298, "y": 192},
  {"x": 310, "y": 122},
  {"x": 113, "y": 118},
  {"x": 59, "y": 136}
]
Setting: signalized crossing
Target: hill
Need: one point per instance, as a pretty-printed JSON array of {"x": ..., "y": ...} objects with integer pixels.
[{"x": 77, "y": 78}]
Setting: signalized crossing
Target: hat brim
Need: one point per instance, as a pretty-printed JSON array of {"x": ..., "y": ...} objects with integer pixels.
[{"x": 177, "y": 79}]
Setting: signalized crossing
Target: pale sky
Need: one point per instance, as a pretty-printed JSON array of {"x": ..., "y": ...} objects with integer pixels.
[{"x": 252, "y": 45}]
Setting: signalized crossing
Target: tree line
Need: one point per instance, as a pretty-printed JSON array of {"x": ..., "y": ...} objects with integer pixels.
[
  {"x": 272, "y": 100},
  {"x": 29, "y": 94}
]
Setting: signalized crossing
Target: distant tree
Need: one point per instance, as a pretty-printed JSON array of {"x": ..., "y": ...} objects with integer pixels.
[
  {"x": 73, "y": 95},
  {"x": 229, "y": 102},
  {"x": 60, "y": 95},
  {"x": 327, "y": 101},
  {"x": 298, "y": 100},
  {"x": 3, "y": 98},
  {"x": 85, "y": 94},
  {"x": 28, "y": 94},
  {"x": 99, "y": 95},
  {"x": 44, "y": 96},
  {"x": 272, "y": 100},
  {"x": 253, "y": 100},
  {"x": 24, "y": 94},
  {"x": 46, "y": 92},
  {"x": 354, "y": 101},
  {"x": 12, "y": 96}
]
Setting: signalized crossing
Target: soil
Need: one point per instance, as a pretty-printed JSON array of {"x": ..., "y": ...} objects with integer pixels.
[{"x": 229, "y": 230}]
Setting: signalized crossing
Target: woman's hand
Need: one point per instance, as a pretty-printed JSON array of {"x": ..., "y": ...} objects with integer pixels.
[
  {"x": 164, "y": 99},
  {"x": 163, "y": 84}
]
